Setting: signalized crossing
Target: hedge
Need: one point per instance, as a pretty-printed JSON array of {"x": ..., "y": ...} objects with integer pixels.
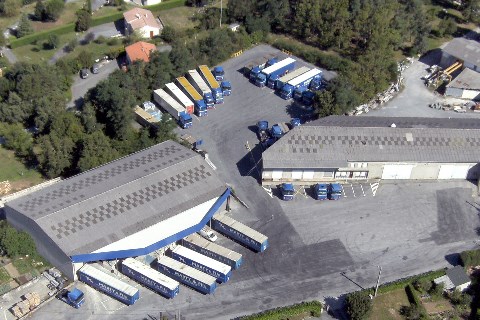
[
  {"x": 402, "y": 283},
  {"x": 470, "y": 258},
  {"x": 95, "y": 22},
  {"x": 414, "y": 300},
  {"x": 313, "y": 308},
  {"x": 41, "y": 35}
]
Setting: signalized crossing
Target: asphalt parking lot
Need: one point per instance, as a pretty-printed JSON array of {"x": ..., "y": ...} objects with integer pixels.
[{"x": 318, "y": 249}]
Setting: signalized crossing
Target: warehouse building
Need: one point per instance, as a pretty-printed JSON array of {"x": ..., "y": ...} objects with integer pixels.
[
  {"x": 465, "y": 86},
  {"x": 462, "y": 49},
  {"x": 129, "y": 207},
  {"x": 345, "y": 148}
]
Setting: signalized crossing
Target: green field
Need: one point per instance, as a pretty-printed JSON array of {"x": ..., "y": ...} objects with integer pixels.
[
  {"x": 4, "y": 276},
  {"x": 13, "y": 170},
  {"x": 387, "y": 306},
  {"x": 37, "y": 52}
]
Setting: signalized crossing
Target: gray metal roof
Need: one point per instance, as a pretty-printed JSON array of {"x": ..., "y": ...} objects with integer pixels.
[
  {"x": 400, "y": 122},
  {"x": 467, "y": 50},
  {"x": 467, "y": 79},
  {"x": 458, "y": 276},
  {"x": 103, "y": 205},
  {"x": 332, "y": 146}
]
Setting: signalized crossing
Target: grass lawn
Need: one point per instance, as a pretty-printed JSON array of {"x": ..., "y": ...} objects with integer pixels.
[
  {"x": 37, "y": 53},
  {"x": 13, "y": 170},
  {"x": 387, "y": 306},
  {"x": 98, "y": 50},
  {"x": 67, "y": 16},
  {"x": 440, "y": 304},
  {"x": 6, "y": 22},
  {"x": 4, "y": 276},
  {"x": 23, "y": 265},
  {"x": 178, "y": 18}
]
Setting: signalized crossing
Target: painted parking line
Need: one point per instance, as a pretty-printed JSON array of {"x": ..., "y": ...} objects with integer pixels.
[
  {"x": 374, "y": 187},
  {"x": 351, "y": 185},
  {"x": 362, "y": 190},
  {"x": 269, "y": 191},
  {"x": 344, "y": 194}
]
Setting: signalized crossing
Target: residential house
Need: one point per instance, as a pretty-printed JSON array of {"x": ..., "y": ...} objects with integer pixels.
[{"x": 143, "y": 21}]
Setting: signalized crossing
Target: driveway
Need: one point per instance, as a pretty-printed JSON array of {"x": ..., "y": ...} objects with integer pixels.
[{"x": 81, "y": 86}]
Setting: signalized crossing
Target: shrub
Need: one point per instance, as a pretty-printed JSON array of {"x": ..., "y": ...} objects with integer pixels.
[
  {"x": 113, "y": 42},
  {"x": 72, "y": 44},
  {"x": 470, "y": 258},
  {"x": 314, "y": 308},
  {"x": 358, "y": 305},
  {"x": 100, "y": 39}
]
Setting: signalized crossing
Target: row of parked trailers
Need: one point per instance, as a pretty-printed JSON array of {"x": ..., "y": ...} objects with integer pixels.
[
  {"x": 195, "y": 93},
  {"x": 194, "y": 262}
]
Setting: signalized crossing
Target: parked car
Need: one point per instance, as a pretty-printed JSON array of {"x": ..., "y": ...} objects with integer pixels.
[
  {"x": 208, "y": 234},
  {"x": 84, "y": 73},
  {"x": 95, "y": 68}
]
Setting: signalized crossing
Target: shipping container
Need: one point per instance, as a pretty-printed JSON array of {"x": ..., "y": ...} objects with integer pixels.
[
  {"x": 187, "y": 275},
  {"x": 213, "y": 250},
  {"x": 289, "y": 76},
  {"x": 197, "y": 82},
  {"x": 181, "y": 97},
  {"x": 301, "y": 83},
  {"x": 192, "y": 93},
  {"x": 275, "y": 71},
  {"x": 172, "y": 106},
  {"x": 216, "y": 269},
  {"x": 108, "y": 284},
  {"x": 240, "y": 232},
  {"x": 151, "y": 278},
  {"x": 212, "y": 83}
]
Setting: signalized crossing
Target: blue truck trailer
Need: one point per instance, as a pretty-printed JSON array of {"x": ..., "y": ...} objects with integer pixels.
[
  {"x": 212, "y": 83},
  {"x": 277, "y": 70},
  {"x": 288, "y": 191},
  {"x": 219, "y": 73},
  {"x": 108, "y": 284},
  {"x": 197, "y": 82},
  {"x": 320, "y": 190},
  {"x": 240, "y": 232},
  {"x": 301, "y": 83},
  {"x": 149, "y": 277},
  {"x": 196, "y": 243},
  {"x": 216, "y": 269},
  {"x": 279, "y": 83},
  {"x": 226, "y": 88},
  {"x": 199, "y": 104},
  {"x": 187, "y": 275}
]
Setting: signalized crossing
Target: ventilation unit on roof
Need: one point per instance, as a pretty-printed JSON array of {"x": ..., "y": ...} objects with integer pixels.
[{"x": 393, "y": 125}]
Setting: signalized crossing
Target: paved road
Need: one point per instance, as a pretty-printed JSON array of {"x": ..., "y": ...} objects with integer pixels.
[
  {"x": 81, "y": 86},
  {"x": 318, "y": 250},
  {"x": 7, "y": 53}
]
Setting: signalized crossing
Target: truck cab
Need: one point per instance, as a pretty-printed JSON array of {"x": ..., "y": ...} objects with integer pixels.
[
  {"x": 208, "y": 97},
  {"x": 218, "y": 95},
  {"x": 295, "y": 122},
  {"x": 75, "y": 298},
  {"x": 254, "y": 73},
  {"x": 298, "y": 93},
  {"x": 262, "y": 130},
  {"x": 320, "y": 191},
  {"x": 286, "y": 92},
  {"x": 308, "y": 97},
  {"x": 261, "y": 80},
  {"x": 335, "y": 191},
  {"x": 200, "y": 108},
  {"x": 226, "y": 88},
  {"x": 278, "y": 130},
  {"x": 218, "y": 73},
  {"x": 316, "y": 83},
  {"x": 288, "y": 191},
  {"x": 185, "y": 120},
  {"x": 272, "y": 81}
]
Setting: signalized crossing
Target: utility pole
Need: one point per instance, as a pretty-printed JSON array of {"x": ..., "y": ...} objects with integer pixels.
[
  {"x": 378, "y": 279},
  {"x": 221, "y": 12}
]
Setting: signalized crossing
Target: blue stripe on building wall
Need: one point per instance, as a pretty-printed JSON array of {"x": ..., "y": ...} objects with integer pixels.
[{"x": 160, "y": 244}]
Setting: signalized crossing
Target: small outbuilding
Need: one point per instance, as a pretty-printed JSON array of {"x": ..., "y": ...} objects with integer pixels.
[
  {"x": 234, "y": 26},
  {"x": 455, "y": 279}
]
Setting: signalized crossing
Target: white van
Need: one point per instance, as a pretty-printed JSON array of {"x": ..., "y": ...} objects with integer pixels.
[{"x": 208, "y": 234}]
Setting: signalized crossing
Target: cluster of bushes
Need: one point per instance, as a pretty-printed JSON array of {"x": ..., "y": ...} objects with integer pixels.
[
  {"x": 313, "y": 308},
  {"x": 416, "y": 310},
  {"x": 470, "y": 258}
]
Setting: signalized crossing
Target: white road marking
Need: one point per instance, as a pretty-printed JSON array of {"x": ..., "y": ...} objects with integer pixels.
[
  {"x": 362, "y": 189},
  {"x": 351, "y": 185},
  {"x": 269, "y": 191},
  {"x": 374, "y": 187}
]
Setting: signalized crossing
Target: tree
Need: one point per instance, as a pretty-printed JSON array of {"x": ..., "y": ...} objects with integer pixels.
[
  {"x": 447, "y": 27},
  {"x": 54, "y": 9},
  {"x": 24, "y": 27},
  {"x": 95, "y": 150},
  {"x": 71, "y": 45},
  {"x": 165, "y": 129},
  {"x": 53, "y": 41},
  {"x": 85, "y": 59},
  {"x": 67, "y": 124},
  {"x": 181, "y": 58},
  {"x": 239, "y": 10},
  {"x": 16, "y": 243},
  {"x": 359, "y": 305},
  {"x": 10, "y": 8},
  {"x": 39, "y": 12},
  {"x": 84, "y": 20},
  {"x": 470, "y": 11},
  {"x": 169, "y": 34},
  {"x": 16, "y": 138},
  {"x": 324, "y": 104},
  {"x": 89, "y": 119},
  {"x": 54, "y": 154},
  {"x": 159, "y": 70}
]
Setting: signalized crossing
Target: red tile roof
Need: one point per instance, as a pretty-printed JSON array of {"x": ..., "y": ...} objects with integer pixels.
[{"x": 140, "y": 51}]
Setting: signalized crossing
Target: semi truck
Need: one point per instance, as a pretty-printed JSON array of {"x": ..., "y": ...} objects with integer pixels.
[
  {"x": 196, "y": 243},
  {"x": 189, "y": 90},
  {"x": 212, "y": 83},
  {"x": 149, "y": 277},
  {"x": 320, "y": 190},
  {"x": 279, "y": 130},
  {"x": 197, "y": 82},
  {"x": 254, "y": 68},
  {"x": 75, "y": 298},
  {"x": 240, "y": 232},
  {"x": 335, "y": 191},
  {"x": 288, "y": 191},
  {"x": 226, "y": 88},
  {"x": 269, "y": 75},
  {"x": 308, "y": 97},
  {"x": 279, "y": 83},
  {"x": 262, "y": 130},
  {"x": 108, "y": 284},
  {"x": 187, "y": 275},
  {"x": 310, "y": 79},
  {"x": 176, "y": 110},
  {"x": 181, "y": 97},
  {"x": 207, "y": 265},
  {"x": 219, "y": 73}
]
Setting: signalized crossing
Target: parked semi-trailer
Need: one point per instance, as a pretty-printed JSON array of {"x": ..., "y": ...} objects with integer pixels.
[
  {"x": 108, "y": 284},
  {"x": 275, "y": 71},
  {"x": 189, "y": 90},
  {"x": 240, "y": 232},
  {"x": 197, "y": 82},
  {"x": 220, "y": 271},
  {"x": 173, "y": 107},
  {"x": 187, "y": 275},
  {"x": 254, "y": 68},
  {"x": 212, "y": 83},
  {"x": 181, "y": 97},
  {"x": 310, "y": 79},
  {"x": 213, "y": 250},
  {"x": 289, "y": 76},
  {"x": 153, "y": 279}
]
